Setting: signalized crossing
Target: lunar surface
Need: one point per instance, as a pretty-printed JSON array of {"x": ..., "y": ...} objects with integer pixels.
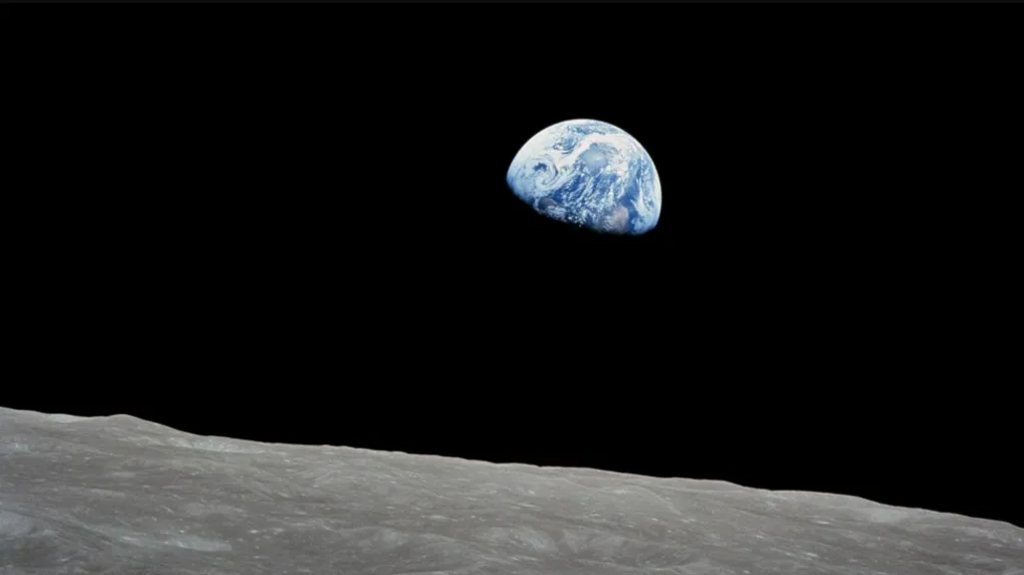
[
  {"x": 119, "y": 495},
  {"x": 591, "y": 174}
]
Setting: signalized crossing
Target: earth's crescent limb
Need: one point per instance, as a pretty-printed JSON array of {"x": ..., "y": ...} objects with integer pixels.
[{"x": 591, "y": 174}]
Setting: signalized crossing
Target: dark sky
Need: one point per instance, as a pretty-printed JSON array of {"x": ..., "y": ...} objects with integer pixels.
[{"x": 288, "y": 255}]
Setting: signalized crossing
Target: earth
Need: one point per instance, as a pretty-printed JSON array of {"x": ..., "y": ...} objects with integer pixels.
[{"x": 591, "y": 174}]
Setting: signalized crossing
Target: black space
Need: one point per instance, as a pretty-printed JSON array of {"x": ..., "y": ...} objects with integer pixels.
[{"x": 247, "y": 246}]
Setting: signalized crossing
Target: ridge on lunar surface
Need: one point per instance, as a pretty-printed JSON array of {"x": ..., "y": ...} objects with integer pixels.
[
  {"x": 591, "y": 174},
  {"x": 119, "y": 495}
]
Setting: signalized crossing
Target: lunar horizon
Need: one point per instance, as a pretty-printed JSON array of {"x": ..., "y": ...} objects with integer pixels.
[{"x": 120, "y": 495}]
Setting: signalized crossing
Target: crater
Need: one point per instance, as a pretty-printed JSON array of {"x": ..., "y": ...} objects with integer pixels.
[
  {"x": 14, "y": 525},
  {"x": 213, "y": 444}
]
